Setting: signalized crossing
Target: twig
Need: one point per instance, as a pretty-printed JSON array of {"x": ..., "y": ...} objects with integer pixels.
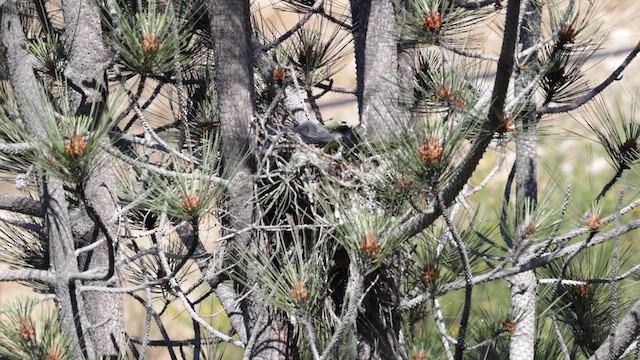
[
  {"x": 468, "y": 53},
  {"x": 312, "y": 10},
  {"x": 187, "y": 306},
  {"x": 27, "y": 275},
  {"x": 615, "y": 265},
  {"x": 147, "y": 322},
  {"x": 615, "y": 76},
  {"x": 531, "y": 264},
  {"x": 311, "y": 336},
  {"x": 16, "y": 148},
  {"x": 585, "y": 229},
  {"x": 556, "y": 329},
  {"x": 468, "y": 279},
  {"x": 444, "y": 337},
  {"x": 162, "y": 171},
  {"x": 26, "y": 225},
  {"x": 475, "y": 4}
]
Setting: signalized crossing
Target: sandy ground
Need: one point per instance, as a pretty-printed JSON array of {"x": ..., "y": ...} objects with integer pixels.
[{"x": 620, "y": 16}]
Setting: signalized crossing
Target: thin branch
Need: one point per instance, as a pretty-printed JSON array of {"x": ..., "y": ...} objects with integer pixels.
[
  {"x": 147, "y": 322},
  {"x": 31, "y": 275},
  {"x": 162, "y": 171},
  {"x": 533, "y": 263},
  {"x": 187, "y": 306},
  {"x": 556, "y": 227},
  {"x": 16, "y": 148},
  {"x": 585, "y": 229},
  {"x": 615, "y": 265},
  {"x": 333, "y": 88},
  {"x": 468, "y": 278},
  {"x": 609, "y": 185},
  {"x": 161, "y": 327},
  {"x": 444, "y": 337},
  {"x": 615, "y": 76},
  {"x": 475, "y": 4},
  {"x": 488, "y": 178},
  {"x": 468, "y": 53},
  {"x": 312, "y": 10},
  {"x": 337, "y": 21},
  {"x": 563, "y": 343},
  {"x": 26, "y": 225},
  {"x": 626, "y": 332},
  {"x": 311, "y": 336},
  {"x": 167, "y": 343},
  {"x": 22, "y": 205},
  {"x": 609, "y": 280},
  {"x": 505, "y": 203}
]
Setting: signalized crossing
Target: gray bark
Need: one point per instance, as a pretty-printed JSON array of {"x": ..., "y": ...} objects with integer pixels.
[
  {"x": 234, "y": 85},
  {"x": 379, "y": 93},
  {"x": 523, "y": 304},
  {"x": 87, "y": 54},
  {"x": 524, "y": 285},
  {"x": 85, "y": 69},
  {"x": 375, "y": 37},
  {"x": 627, "y": 332},
  {"x": 56, "y": 216}
]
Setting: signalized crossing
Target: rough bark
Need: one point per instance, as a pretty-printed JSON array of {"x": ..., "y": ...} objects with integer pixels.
[
  {"x": 85, "y": 70},
  {"x": 627, "y": 332},
  {"x": 376, "y": 52},
  {"x": 56, "y": 217},
  {"x": 524, "y": 285},
  {"x": 87, "y": 54},
  {"x": 233, "y": 54},
  {"x": 379, "y": 91}
]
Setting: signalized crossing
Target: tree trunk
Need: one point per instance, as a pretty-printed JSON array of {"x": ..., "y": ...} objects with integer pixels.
[
  {"x": 56, "y": 217},
  {"x": 86, "y": 70},
  {"x": 230, "y": 22},
  {"x": 524, "y": 285},
  {"x": 379, "y": 93},
  {"x": 376, "y": 64}
]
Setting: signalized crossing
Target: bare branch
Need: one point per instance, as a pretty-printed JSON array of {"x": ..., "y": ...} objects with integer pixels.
[
  {"x": 27, "y": 275},
  {"x": 467, "y": 4},
  {"x": 627, "y": 331},
  {"x": 468, "y": 278},
  {"x": 17, "y": 148},
  {"x": 22, "y": 205}
]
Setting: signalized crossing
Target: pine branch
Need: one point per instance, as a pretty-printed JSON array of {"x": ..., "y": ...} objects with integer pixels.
[
  {"x": 530, "y": 264},
  {"x": 467, "y": 4},
  {"x": 22, "y": 205},
  {"x": 468, "y": 276},
  {"x": 209, "y": 267},
  {"x": 496, "y": 114},
  {"x": 16, "y": 148},
  {"x": 31, "y": 275},
  {"x": 615, "y": 76},
  {"x": 315, "y": 8},
  {"x": 627, "y": 331}
]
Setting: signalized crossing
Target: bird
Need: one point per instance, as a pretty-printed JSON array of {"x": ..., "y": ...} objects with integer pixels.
[{"x": 312, "y": 133}]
